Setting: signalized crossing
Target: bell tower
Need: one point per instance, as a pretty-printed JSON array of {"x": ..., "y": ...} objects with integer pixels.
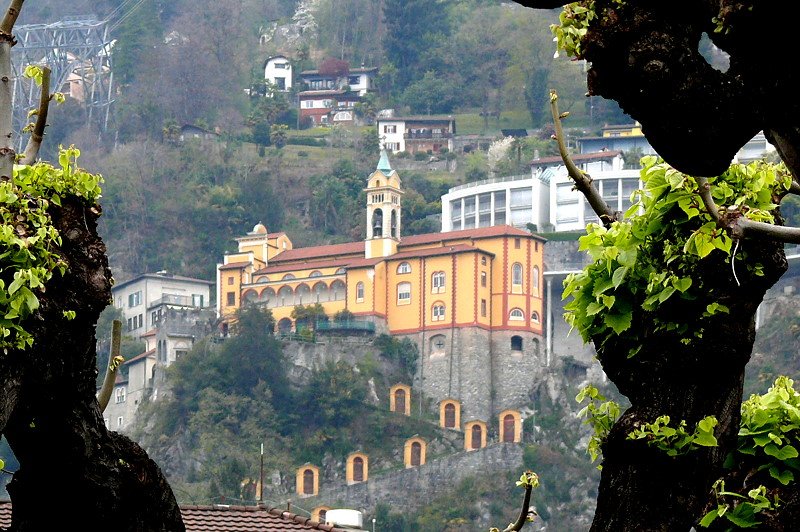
[{"x": 383, "y": 210}]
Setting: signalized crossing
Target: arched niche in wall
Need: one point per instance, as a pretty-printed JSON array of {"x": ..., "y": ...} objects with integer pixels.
[
  {"x": 400, "y": 399},
  {"x": 510, "y": 426},
  {"x": 450, "y": 414},
  {"x": 357, "y": 469},
  {"x": 414, "y": 452},
  {"x": 307, "y": 480},
  {"x": 475, "y": 435}
]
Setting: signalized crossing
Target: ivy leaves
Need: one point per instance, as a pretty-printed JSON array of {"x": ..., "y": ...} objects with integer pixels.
[
  {"x": 676, "y": 441},
  {"x": 648, "y": 262},
  {"x": 28, "y": 239}
]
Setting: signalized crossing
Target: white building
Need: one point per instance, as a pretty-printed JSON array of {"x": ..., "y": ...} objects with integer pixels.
[
  {"x": 278, "y": 71},
  {"x": 144, "y": 299},
  {"x": 357, "y": 80},
  {"x": 543, "y": 198},
  {"x": 415, "y": 134}
]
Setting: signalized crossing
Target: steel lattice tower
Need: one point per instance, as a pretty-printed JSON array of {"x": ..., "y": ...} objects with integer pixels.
[{"x": 78, "y": 52}]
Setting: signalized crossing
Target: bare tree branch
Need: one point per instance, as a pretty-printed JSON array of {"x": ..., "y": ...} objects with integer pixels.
[
  {"x": 37, "y": 135},
  {"x": 114, "y": 360},
  {"x": 733, "y": 221},
  {"x": 523, "y": 513},
  {"x": 7, "y": 26},
  {"x": 794, "y": 188},
  {"x": 583, "y": 181}
]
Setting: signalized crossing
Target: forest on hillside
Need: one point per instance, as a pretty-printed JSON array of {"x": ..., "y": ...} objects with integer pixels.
[{"x": 177, "y": 205}]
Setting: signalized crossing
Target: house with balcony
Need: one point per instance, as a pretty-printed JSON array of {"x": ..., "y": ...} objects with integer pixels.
[
  {"x": 145, "y": 298},
  {"x": 324, "y": 107},
  {"x": 358, "y": 80},
  {"x": 417, "y": 134}
]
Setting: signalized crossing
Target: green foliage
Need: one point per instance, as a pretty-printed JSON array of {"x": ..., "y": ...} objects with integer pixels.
[
  {"x": 29, "y": 238},
  {"x": 344, "y": 315},
  {"x": 404, "y": 352},
  {"x": 742, "y": 513},
  {"x": 430, "y": 95},
  {"x": 676, "y": 441},
  {"x": 600, "y": 416},
  {"x": 573, "y": 24},
  {"x": 770, "y": 430},
  {"x": 648, "y": 262}
]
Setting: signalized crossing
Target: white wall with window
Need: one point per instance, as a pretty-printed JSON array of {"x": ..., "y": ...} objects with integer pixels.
[
  {"x": 390, "y": 134},
  {"x": 515, "y": 200},
  {"x": 572, "y": 212},
  {"x": 278, "y": 71}
]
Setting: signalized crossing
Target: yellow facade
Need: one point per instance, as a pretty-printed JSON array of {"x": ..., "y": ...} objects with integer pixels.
[
  {"x": 357, "y": 462},
  {"x": 475, "y": 435},
  {"x": 448, "y": 408},
  {"x": 414, "y": 452},
  {"x": 510, "y": 426},
  {"x": 486, "y": 277},
  {"x": 400, "y": 399},
  {"x": 307, "y": 480}
]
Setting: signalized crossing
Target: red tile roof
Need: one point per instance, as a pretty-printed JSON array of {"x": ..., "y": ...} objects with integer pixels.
[
  {"x": 481, "y": 232},
  {"x": 439, "y": 250},
  {"x": 141, "y": 356},
  {"x": 320, "y": 252},
  {"x": 234, "y": 266},
  {"x": 225, "y": 519},
  {"x": 578, "y": 157}
]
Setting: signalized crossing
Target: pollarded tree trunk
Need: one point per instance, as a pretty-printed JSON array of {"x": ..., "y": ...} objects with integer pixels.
[
  {"x": 72, "y": 470},
  {"x": 641, "y": 487}
]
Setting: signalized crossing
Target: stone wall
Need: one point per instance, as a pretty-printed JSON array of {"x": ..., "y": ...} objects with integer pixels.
[{"x": 413, "y": 488}]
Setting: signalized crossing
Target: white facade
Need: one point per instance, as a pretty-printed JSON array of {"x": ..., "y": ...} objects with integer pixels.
[
  {"x": 278, "y": 71},
  {"x": 144, "y": 298},
  {"x": 359, "y": 80},
  {"x": 514, "y": 200},
  {"x": 544, "y": 198},
  {"x": 569, "y": 209},
  {"x": 414, "y": 134}
]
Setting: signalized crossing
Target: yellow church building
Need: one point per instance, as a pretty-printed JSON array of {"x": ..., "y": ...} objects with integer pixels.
[{"x": 472, "y": 300}]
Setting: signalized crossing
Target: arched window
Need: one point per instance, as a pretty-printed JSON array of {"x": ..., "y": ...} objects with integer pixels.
[
  {"x": 416, "y": 453},
  {"x": 404, "y": 267},
  {"x": 535, "y": 281},
  {"x": 483, "y": 261},
  {"x": 358, "y": 469},
  {"x": 360, "y": 292},
  {"x": 476, "y": 436},
  {"x": 377, "y": 223},
  {"x": 267, "y": 297},
  {"x": 516, "y": 315},
  {"x": 338, "y": 289},
  {"x": 449, "y": 415},
  {"x": 263, "y": 279},
  {"x": 509, "y": 428},
  {"x": 395, "y": 231},
  {"x": 438, "y": 312},
  {"x": 288, "y": 277},
  {"x": 315, "y": 273},
  {"x": 516, "y": 343},
  {"x": 285, "y": 296},
  {"x": 516, "y": 275},
  {"x": 403, "y": 293},
  {"x": 483, "y": 279},
  {"x": 321, "y": 292},
  {"x": 437, "y": 282},
  {"x": 341, "y": 271},
  {"x": 302, "y": 295},
  {"x": 400, "y": 401},
  {"x": 308, "y": 482},
  {"x": 438, "y": 344},
  {"x": 250, "y": 297},
  {"x": 323, "y": 513},
  {"x": 535, "y": 317}
]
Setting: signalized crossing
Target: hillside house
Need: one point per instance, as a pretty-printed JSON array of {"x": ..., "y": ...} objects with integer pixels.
[
  {"x": 172, "y": 336},
  {"x": 278, "y": 72},
  {"x": 145, "y": 298},
  {"x": 417, "y": 134},
  {"x": 328, "y": 106},
  {"x": 357, "y": 80}
]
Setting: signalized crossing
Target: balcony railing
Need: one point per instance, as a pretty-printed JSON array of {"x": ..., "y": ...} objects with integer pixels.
[
  {"x": 345, "y": 326},
  {"x": 172, "y": 299},
  {"x": 424, "y": 135}
]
